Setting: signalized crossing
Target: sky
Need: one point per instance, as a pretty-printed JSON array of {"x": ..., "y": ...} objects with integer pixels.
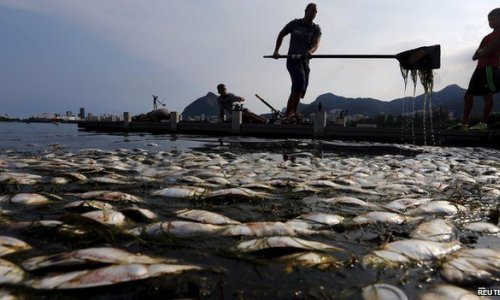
[{"x": 111, "y": 56}]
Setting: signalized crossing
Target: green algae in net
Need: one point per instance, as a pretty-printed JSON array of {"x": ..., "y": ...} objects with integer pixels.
[{"x": 426, "y": 78}]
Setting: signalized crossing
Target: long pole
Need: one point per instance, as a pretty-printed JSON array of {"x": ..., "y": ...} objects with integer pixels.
[{"x": 336, "y": 56}]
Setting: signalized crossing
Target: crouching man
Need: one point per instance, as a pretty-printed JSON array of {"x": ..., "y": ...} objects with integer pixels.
[{"x": 228, "y": 102}]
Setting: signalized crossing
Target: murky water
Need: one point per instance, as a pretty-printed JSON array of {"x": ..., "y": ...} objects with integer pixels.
[{"x": 290, "y": 178}]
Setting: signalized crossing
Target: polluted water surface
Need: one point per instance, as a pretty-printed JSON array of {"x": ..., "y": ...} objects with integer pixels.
[{"x": 268, "y": 219}]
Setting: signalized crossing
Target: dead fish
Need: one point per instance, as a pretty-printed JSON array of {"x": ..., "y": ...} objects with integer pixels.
[
  {"x": 110, "y": 196},
  {"x": 405, "y": 203},
  {"x": 75, "y": 176},
  {"x": 239, "y": 193},
  {"x": 10, "y": 245},
  {"x": 420, "y": 250},
  {"x": 82, "y": 257},
  {"x": 442, "y": 208},
  {"x": 384, "y": 258},
  {"x": 346, "y": 200},
  {"x": 322, "y": 218},
  {"x": 449, "y": 292},
  {"x": 20, "y": 178},
  {"x": 88, "y": 205},
  {"x": 311, "y": 259},
  {"x": 59, "y": 180},
  {"x": 110, "y": 179},
  {"x": 204, "y": 216},
  {"x": 10, "y": 273},
  {"x": 192, "y": 179},
  {"x": 107, "y": 276},
  {"x": 180, "y": 192},
  {"x": 260, "y": 229},
  {"x": 382, "y": 217},
  {"x": 482, "y": 227},
  {"x": 7, "y": 295},
  {"x": 284, "y": 242},
  {"x": 382, "y": 291},
  {"x": 29, "y": 199},
  {"x": 181, "y": 229},
  {"x": 470, "y": 266},
  {"x": 106, "y": 216},
  {"x": 437, "y": 230}
]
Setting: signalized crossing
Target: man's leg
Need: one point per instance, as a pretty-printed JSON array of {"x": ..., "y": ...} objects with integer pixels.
[
  {"x": 293, "y": 103},
  {"x": 488, "y": 106},
  {"x": 468, "y": 103}
]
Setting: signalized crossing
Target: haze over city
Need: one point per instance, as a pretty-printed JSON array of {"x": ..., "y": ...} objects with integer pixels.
[{"x": 112, "y": 56}]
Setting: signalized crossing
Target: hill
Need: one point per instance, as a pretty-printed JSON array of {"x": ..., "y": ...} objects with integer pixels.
[{"x": 205, "y": 105}]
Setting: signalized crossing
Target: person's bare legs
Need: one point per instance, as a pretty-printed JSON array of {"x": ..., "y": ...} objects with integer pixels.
[
  {"x": 488, "y": 106},
  {"x": 468, "y": 103},
  {"x": 293, "y": 102}
]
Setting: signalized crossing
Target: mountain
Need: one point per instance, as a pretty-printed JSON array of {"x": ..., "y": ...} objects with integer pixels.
[
  {"x": 205, "y": 105},
  {"x": 450, "y": 99}
]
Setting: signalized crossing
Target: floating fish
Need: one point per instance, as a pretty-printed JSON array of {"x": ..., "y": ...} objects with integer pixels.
[
  {"x": 10, "y": 273},
  {"x": 382, "y": 291},
  {"x": 180, "y": 192},
  {"x": 20, "y": 178},
  {"x": 82, "y": 257},
  {"x": 29, "y": 199},
  {"x": 106, "y": 216},
  {"x": 236, "y": 193},
  {"x": 405, "y": 251},
  {"x": 109, "y": 275},
  {"x": 442, "y": 208},
  {"x": 383, "y": 217},
  {"x": 437, "y": 230},
  {"x": 85, "y": 205},
  {"x": 284, "y": 242},
  {"x": 10, "y": 245},
  {"x": 311, "y": 259},
  {"x": 449, "y": 292},
  {"x": 347, "y": 200},
  {"x": 110, "y": 196},
  {"x": 470, "y": 266},
  {"x": 204, "y": 216},
  {"x": 260, "y": 229},
  {"x": 322, "y": 218},
  {"x": 181, "y": 229},
  {"x": 405, "y": 203},
  {"x": 482, "y": 227}
]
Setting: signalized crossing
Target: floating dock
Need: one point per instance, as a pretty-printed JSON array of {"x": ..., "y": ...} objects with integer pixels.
[{"x": 318, "y": 129}]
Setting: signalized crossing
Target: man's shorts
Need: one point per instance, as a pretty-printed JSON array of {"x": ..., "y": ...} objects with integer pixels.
[
  {"x": 484, "y": 81},
  {"x": 299, "y": 72}
]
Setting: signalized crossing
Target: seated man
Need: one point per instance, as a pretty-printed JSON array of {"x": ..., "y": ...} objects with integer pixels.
[{"x": 227, "y": 105}]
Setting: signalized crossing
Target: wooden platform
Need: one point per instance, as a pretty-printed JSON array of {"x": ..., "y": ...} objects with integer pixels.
[{"x": 439, "y": 137}]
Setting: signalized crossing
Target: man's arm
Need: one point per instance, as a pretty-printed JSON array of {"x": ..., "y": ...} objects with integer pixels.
[
  {"x": 483, "y": 52},
  {"x": 279, "y": 41},
  {"x": 315, "y": 44}
]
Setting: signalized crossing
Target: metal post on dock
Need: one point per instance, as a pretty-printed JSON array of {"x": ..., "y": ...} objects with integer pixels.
[
  {"x": 319, "y": 123},
  {"x": 126, "y": 120},
  {"x": 174, "y": 120},
  {"x": 237, "y": 119}
]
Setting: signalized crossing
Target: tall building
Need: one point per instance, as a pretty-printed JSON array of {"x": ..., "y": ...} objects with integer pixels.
[{"x": 82, "y": 113}]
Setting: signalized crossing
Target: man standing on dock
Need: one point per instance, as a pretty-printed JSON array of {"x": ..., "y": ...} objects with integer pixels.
[{"x": 304, "y": 41}]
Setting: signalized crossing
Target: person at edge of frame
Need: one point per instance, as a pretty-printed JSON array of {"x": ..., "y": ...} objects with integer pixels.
[{"x": 485, "y": 80}]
